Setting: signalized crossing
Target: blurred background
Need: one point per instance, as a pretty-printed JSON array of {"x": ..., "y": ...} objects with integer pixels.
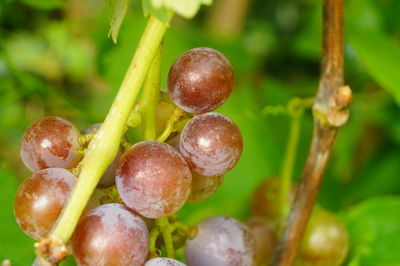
[{"x": 56, "y": 59}]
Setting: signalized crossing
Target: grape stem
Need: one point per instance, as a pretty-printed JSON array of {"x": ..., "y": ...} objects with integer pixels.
[
  {"x": 330, "y": 110},
  {"x": 295, "y": 109},
  {"x": 177, "y": 115},
  {"x": 154, "y": 233},
  {"x": 104, "y": 145},
  {"x": 166, "y": 232}
]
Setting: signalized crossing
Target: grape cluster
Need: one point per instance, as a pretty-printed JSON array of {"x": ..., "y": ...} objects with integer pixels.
[{"x": 152, "y": 179}]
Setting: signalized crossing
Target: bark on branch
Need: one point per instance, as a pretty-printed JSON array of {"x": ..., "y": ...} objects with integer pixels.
[{"x": 330, "y": 112}]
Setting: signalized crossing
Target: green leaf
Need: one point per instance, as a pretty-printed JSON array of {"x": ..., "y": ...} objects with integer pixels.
[
  {"x": 185, "y": 8},
  {"x": 161, "y": 13},
  {"x": 374, "y": 229},
  {"x": 380, "y": 57},
  {"x": 45, "y": 4},
  {"x": 117, "y": 17}
]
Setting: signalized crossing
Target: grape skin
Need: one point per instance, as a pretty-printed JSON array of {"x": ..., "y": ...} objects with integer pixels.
[
  {"x": 203, "y": 187},
  {"x": 265, "y": 239},
  {"x": 265, "y": 198},
  {"x": 221, "y": 241},
  {"x": 200, "y": 80},
  {"x": 211, "y": 143},
  {"x": 41, "y": 198},
  {"x": 163, "y": 262},
  {"x": 325, "y": 241},
  {"x": 110, "y": 234},
  {"x": 153, "y": 179},
  {"x": 50, "y": 142}
]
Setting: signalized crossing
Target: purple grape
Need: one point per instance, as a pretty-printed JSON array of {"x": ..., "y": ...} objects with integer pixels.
[
  {"x": 40, "y": 200},
  {"x": 153, "y": 179},
  {"x": 50, "y": 142},
  {"x": 163, "y": 262},
  {"x": 211, "y": 143},
  {"x": 200, "y": 80},
  {"x": 110, "y": 234},
  {"x": 221, "y": 241}
]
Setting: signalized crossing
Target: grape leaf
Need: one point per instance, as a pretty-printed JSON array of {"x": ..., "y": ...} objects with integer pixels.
[
  {"x": 374, "y": 229},
  {"x": 162, "y": 8},
  {"x": 380, "y": 57},
  {"x": 117, "y": 17}
]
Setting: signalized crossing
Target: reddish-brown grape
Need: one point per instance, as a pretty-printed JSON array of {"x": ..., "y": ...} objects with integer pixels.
[
  {"x": 40, "y": 200},
  {"x": 153, "y": 179},
  {"x": 325, "y": 241},
  {"x": 265, "y": 239},
  {"x": 163, "y": 262},
  {"x": 50, "y": 142},
  {"x": 265, "y": 199},
  {"x": 111, "y": 234},
  {"x": 200, "y": 80},
  {"x": 211, "y": 143},
  {"x": 203, "y": 187},
  {"x": 221, "y": 241}
]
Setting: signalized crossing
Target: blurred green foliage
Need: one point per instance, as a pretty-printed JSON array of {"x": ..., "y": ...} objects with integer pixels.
[{"x": 56, "y": 59}]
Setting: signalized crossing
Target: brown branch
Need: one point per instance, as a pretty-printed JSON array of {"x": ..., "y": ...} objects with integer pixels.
[{"x": 330, "y": 112}]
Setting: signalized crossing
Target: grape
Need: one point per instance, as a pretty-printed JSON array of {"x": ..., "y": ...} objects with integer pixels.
[
  {"x": 40, "y": 200},
  {"x": 163, "y": 112},
  {"x": 221, "y": 241},
  {"x": 211, "y": 143},
  {"x": 265, "y": 239},
  {"x": 203, "y": 187},
  {"x": 92, "y": 128},
  {"x": 163, "y": 262},
  {"x": 325, "y": 241},
  {"x": 50, "y": 142},
  {"x": 153, "y": 179},
  {"x": 265, "y": 199},
  {"x": 110, "y": 234},
  {"x": 200, "y": 80}
]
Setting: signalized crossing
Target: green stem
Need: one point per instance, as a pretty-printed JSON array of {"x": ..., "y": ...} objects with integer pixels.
[
  {"x": 104, "y": 145},
  {"x": 150, "y": 96},
  {"x": 165, "y": 229},
  {"x": 154, "y": 233},
  {"x": 295, "y": 110},
  {"x": 170, "y": 127},
  {"x": 287, "y": 166}
]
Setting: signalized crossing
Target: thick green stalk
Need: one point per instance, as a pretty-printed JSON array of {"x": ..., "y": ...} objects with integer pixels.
[
  {"x": 104, "y": 145},
  {"x": 150, "y": 96}
]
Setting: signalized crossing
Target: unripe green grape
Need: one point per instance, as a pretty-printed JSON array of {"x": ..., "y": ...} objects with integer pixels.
[{"x": 325, "y": 241}]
